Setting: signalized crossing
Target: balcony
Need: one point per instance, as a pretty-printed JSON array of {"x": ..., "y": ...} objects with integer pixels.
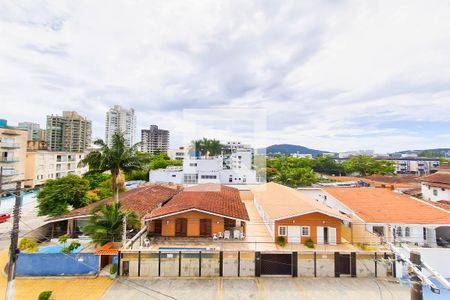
[
  {"x": 8, "y": 160},
  {"x": 10, "y": 146}
]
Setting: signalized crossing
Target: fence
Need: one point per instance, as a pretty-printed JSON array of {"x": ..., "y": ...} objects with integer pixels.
[
  {"x": 56, "y": 264},
  {"x": 255, "y": 264}
]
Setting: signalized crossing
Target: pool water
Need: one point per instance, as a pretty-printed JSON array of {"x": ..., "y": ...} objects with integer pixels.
[{"x": 57, "y": 249}]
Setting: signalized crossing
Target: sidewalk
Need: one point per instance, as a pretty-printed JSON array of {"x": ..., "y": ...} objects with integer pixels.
[{"x": 63, "y": 289}]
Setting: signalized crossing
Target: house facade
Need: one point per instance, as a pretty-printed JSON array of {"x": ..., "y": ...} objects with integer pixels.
[
  {"x": 386, "y": 214},
  {"x": 199, "y": 211},
  {"x": 296, "y": 217},
  {"x": 436, "y": 187}
]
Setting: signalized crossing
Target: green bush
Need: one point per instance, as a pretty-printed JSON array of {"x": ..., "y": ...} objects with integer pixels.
[
  {"x": 113, "y": 269},
  {"x": 309, "y": 243},
  {"x": 73, "y": 245},
  {"x": 45, "y": 295},
  {"x": 28, "y": 245},
  {"x": 281, "y": 241}
]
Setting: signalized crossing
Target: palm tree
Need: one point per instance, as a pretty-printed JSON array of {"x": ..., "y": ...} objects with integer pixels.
[
  {"x": 114, "y": 159},
  {"x": 215, "y": 147},
  {"x": 106, "y": 223}
]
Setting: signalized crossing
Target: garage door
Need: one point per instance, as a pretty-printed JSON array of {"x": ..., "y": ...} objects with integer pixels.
[
  {"x": 276, "y": 264},
  {"x": 294, "y": 235}
]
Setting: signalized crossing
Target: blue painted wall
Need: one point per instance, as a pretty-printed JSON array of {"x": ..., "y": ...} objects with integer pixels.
[{"x": 53, "y": 264}]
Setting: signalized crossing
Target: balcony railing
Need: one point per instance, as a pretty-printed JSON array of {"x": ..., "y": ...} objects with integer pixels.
[
  {"x": 10, "y": 145},
  {"x": 8, "y": 160}
]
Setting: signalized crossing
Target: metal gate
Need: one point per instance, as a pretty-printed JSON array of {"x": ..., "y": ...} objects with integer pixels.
[
  {"x": 276, "y": 264},
  {"x": 344, "y": 264}
]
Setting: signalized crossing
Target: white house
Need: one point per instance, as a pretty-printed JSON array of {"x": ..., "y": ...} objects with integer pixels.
[
  {"x": 436, "y": 187},
  {"x": 395, "y": 217}
]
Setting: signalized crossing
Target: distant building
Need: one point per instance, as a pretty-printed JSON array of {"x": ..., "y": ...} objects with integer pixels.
[
  {"x": 42, "y": 165},
  {"x": 119, "y": 119},
  {"x": 154, "y": 140},
  {"x": 359, "y": 152},
  {"x": 302, "y": 155},
  {"x": 69, "y": 132},
  {"x": 13, "y": 147},
  {"x": 233, "y": 167},
  {"x": 35, "y": 133},
  {"x": 436, "y": 187},
  {"x": 177, "y": 154}
]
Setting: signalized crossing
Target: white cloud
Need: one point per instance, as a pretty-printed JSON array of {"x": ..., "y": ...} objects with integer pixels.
[{"x": 332, "y": 75}]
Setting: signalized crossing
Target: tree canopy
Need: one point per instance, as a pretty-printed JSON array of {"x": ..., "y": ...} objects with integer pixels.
[
  {"x": 206, "y": 147},
  {"x": 115, "y": 159},
  {"x": 106, "y": 223},
  {"x": 366, "y": 165},
  {"x": 57, "y": 195}
]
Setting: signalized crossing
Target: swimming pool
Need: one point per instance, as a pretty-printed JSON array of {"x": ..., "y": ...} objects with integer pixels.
[
  {"x": 57, "y": 249},
  {"x": 185, "y": 249}
]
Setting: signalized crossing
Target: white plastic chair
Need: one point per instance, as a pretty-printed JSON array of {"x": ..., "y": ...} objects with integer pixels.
[
  {"x": 147, "y": 243},
  {"x": 226, "y": 235},
  {"x": 220, "y": 235},
  {"x": 215, "y": 237},
  {"x": 236, "y": 234},
  {"x": 242, "y": 236}
]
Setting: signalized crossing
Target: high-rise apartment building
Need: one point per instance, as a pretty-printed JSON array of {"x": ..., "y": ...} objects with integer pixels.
[
  {"x": 154, "y": 140},
  {"x": 35, "y": 133},
  {"x": 69, "y": 132},
  {"x": 119, "y": 119}
]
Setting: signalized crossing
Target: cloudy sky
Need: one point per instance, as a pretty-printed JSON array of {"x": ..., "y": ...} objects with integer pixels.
[{"x": 331, "y": 75}]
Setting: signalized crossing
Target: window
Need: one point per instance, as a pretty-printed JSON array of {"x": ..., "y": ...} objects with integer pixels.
[
  {"x": 424, "y": 233},
  {"x": 399, "y": 231},
  {"x": 192, "y": 164},
  {"x": 305, "y": 230},
  {"x": 407, "y": 232},
  {"x": 435, "y": 192},
  {"x": 208, "y": 177},
  {"x": 282, "y": 231},
  {"x": 174, "y": 175}
]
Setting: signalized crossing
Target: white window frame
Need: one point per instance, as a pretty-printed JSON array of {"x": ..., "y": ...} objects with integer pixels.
[
  {"x": 309, "y": 231},
  {"x": 279, "y": 230}
]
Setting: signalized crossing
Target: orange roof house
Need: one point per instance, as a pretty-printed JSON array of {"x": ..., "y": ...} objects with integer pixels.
[
  {"x": 394, "y": 216},
  {"x": 436, "y": 187},
  {"x": 289, "y": 213},
  {"x": 202, "y": 210}
]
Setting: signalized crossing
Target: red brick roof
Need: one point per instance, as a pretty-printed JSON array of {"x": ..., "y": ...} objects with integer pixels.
[
  {"x": 437, "y": 180},
  {"x": 140, "y": 200},
  {"x": 213, "y": 198},
  {"x": 107, "y": 249},
  {"x": 379, "y": 205}
]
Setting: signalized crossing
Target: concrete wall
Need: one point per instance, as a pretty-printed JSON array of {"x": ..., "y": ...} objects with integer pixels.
[
  {"x": 325, "y": 265},
  {"x": 437, "y": 258},
  {"x": 305, "y": 263},
  {"x": 312, "y": 220},
  {"x": 56, "y": 264}
]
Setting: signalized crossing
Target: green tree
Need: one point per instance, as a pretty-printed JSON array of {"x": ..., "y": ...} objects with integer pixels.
[
  {"x": 96, "y": 179},
  {"x": 366, "y": 165},
  {"x": 115, "y": 159},
  {"x": 206, "y": 147},
  {"x": 106, "y": 223},
  {"x": 58, "y": 194},
  {"x": 326, "y": 165},
  {"x": 302, "y": 177}
]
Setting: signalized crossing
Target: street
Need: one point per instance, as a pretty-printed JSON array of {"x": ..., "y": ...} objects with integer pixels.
[{"x": 29, "y": 218}]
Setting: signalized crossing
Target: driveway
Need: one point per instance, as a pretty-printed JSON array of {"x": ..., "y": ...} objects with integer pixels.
[{"x": 257, "y": 288}]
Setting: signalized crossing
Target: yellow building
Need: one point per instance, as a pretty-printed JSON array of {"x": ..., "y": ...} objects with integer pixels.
[
  {"x": 42, "y": 165},
  {"x": 13, "y": 147}
]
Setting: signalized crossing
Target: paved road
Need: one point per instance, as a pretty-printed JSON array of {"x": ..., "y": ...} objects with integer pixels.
[
  {"x": 29, "y": 218},
  {"x": 257, "y": 288}
]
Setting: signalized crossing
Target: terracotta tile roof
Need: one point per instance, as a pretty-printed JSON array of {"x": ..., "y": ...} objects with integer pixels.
[
  {"x": 378, "y": 205},
  {"x": 382, "y": 181},
  {"x": 218, "y": 199},
  {"x": 140, "y": 200},
  {"x": 444, "y": 204},
  {"x": 107, "y": 249},
  {"x": 280, "y": 202},
  {"x": 437, "y": 180}
]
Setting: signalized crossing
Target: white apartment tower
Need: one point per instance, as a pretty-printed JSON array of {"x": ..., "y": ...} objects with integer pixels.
[{"x": 119, "y": 119}]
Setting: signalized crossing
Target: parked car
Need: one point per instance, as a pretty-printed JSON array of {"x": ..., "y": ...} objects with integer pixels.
[
  {"x": 443, "y": 242},
  {"x": 4, "y": 217}
]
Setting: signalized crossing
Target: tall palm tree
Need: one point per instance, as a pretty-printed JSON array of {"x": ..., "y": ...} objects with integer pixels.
[
  {"x": 106, "y": 223},
  {"x": 215, "y": 147},
  {"x": 115, "y": 159}
]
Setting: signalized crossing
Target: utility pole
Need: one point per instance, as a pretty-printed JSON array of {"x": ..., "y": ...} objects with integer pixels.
[
  {"x": 13, "y": 253},
  {"x": 416, "y": 288}
]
